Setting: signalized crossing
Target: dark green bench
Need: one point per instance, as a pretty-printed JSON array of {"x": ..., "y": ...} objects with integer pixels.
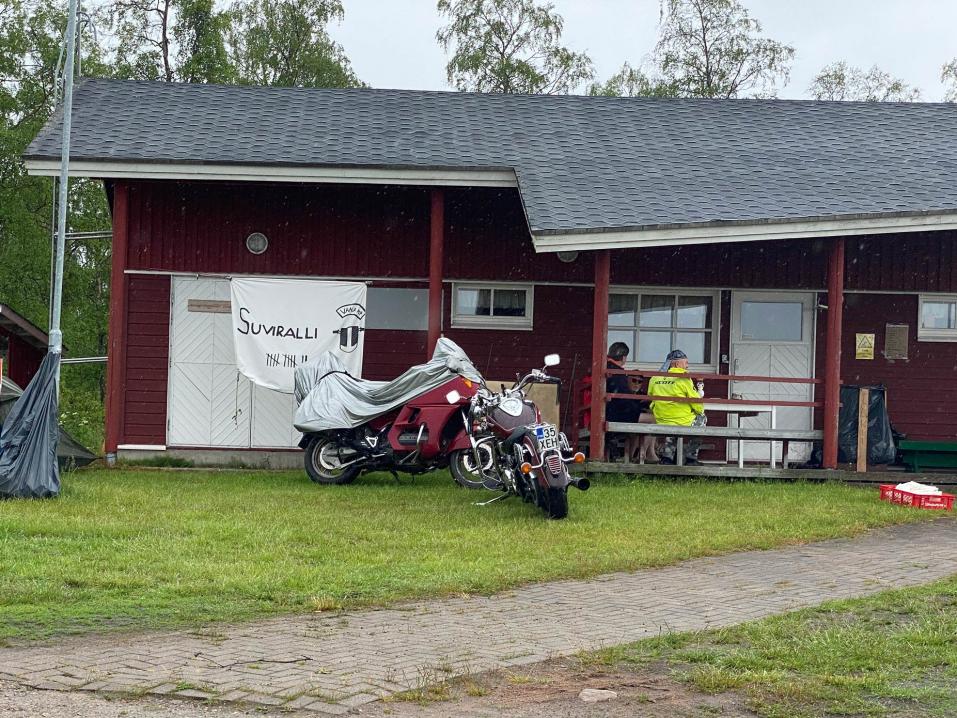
[{"x": 920, "y": 455}]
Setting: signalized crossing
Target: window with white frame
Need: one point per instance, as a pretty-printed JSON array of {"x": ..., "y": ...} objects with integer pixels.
[
  {"x": 938, "y": 318},
  {"x": 492, "y": 306},
  {"x": 652, "y": 323}
]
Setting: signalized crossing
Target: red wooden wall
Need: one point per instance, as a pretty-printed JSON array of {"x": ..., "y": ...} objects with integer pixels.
[
  {"x": 362, "y": 231},
  {"x": 147, "y": 359},
  {"x": 23, "y": 359}
]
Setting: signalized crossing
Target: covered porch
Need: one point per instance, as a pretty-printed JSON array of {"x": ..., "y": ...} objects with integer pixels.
[{"x": 758, "y": 408}]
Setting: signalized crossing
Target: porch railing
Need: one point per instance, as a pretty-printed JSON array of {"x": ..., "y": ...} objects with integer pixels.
[{"x": 581, "y": 408}]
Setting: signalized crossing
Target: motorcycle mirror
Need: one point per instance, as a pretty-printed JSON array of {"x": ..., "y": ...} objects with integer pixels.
[
  {"x": 453, "y": 397},
  {"x": 552, "y": 360}
]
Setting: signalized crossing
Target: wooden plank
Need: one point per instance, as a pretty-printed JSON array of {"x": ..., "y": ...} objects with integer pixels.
[
  {"x": 863, "y": 414},
  {"x": 209, "y": 306},
  {"x": 725, "y": 432},
  {"x": 705, "y": 400},
  {"x": 717, "y": 377},
  {"x": 732, "y": 471}
]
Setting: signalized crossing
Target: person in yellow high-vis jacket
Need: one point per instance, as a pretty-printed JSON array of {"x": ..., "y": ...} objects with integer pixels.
[{"x": 677, "y": 413}]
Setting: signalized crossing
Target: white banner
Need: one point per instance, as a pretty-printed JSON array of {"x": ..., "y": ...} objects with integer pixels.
[{"x": 279, "y": 324}]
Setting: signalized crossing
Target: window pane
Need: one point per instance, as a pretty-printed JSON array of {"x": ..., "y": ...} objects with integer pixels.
[
  {"x": 622, "y": 336},
  {"x": 772, "y": 321},
  {"x": 509, "y": 302},
  {"x": 939, "y": 315},
  {"x": 622, "y": 310},
  {"x": 653, "y": 347},
  {"x": 697, "y": 345},
  {"x": 392, "y": 308},
  {"x": 694, "y": 312},
  {"x": 474, "y": 302},
  {"x": 656, "y": 310}
]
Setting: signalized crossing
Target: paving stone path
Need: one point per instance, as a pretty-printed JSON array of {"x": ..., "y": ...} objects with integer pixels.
[{"x": 331, "y": 663}]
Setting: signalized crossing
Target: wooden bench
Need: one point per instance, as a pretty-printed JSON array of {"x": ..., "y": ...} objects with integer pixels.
[
  {"x": 719, "y": 432},
  {"x": 923, "y": 454}
]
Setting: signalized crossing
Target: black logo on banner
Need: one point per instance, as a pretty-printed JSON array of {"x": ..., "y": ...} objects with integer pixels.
[{"x": 349, "y": 332}]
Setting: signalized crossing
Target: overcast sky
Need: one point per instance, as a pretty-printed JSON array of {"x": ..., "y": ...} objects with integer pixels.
[{"x": 391, "y": 43}]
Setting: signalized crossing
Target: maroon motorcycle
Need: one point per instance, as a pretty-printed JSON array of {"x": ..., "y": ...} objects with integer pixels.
[
  {"x": 512, "y": 451},
  {"x": 436, "y": 415}
]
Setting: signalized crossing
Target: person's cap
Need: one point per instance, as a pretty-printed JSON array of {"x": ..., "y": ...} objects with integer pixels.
[{"x": 673, "y": 355}]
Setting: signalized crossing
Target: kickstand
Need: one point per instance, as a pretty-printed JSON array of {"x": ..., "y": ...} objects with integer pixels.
[
  {"x": 486, "y": 503},
  {"x": 396, "y": 477}
]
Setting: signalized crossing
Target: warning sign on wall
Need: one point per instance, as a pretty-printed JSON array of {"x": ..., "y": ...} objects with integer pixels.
[{"x": 865, "y": 346}]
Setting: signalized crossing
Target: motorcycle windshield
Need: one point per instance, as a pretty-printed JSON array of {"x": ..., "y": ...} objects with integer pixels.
[{"x": 332, "y": 399}]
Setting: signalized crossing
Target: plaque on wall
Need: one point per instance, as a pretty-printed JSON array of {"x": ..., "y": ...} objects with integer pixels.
[{"x": 896, "y": 338}]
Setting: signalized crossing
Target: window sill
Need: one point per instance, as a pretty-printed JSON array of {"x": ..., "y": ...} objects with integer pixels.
[{"x": 492, "y": 324}]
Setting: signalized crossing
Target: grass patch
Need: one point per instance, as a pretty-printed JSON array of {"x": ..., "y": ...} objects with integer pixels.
[
  {"x": 131, "y": 549},
  {"x": 890, "y": 654}
]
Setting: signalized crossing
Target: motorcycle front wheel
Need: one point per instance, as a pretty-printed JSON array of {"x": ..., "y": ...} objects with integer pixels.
[
  {"x": 556, "y": 502},
  {"x": 464, "y": 469},
  {"x": 324, "y": 463}
]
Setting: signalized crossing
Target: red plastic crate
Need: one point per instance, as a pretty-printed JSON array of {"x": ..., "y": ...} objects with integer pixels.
[{"x": 939, "y": 502}]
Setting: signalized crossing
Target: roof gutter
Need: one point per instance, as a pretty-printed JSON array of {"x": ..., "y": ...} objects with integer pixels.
[
  {"x": 279, "y": 173},
  {"x": 753, "y": 232}
]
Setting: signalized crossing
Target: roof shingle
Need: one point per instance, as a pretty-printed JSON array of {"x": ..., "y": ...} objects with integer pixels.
[{"x": 582, "y": 163}]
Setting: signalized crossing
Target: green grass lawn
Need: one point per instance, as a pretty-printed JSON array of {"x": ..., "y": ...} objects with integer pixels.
[
  {"x": 141, "y": 549},
  {"x": 893, "y": 654}
]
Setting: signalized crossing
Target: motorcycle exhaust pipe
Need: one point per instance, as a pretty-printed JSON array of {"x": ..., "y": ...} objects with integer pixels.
[{"x": 581, "y": 484}]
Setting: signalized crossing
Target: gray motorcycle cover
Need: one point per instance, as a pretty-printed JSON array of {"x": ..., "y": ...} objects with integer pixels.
[
  {"x": 28, "y": 441},
  {"x": 329, "y": 398}
]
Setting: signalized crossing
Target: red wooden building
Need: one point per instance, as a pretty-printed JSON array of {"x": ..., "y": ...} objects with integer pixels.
[
  {"x": 22, "y": 346},
  {"x": 764, "y": 238}
]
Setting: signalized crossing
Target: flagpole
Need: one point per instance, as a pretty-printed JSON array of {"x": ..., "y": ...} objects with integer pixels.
[{"x": 56, "y": 335}]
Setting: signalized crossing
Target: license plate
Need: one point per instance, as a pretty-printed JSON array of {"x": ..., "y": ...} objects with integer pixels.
[{"x": 547, "y": 436}]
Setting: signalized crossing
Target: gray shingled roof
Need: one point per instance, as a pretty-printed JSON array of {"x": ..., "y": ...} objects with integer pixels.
[{"x": 582, "y": 163}]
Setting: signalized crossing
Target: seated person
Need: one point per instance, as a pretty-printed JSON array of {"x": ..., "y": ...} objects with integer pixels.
[
  {"x": 628, "y": 410},
  {"x": 677, "y": 413}
]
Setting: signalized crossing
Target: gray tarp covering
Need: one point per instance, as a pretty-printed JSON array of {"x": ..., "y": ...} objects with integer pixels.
[
  {"x": 331, "y": 399},
  {"x": 70, "y": 452},
  {"x": 28, "y": 440}
]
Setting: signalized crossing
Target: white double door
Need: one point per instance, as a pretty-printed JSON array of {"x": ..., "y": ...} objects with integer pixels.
[
  {"x": 772, "y": 334},
  {"x": 210, "y": 404}
]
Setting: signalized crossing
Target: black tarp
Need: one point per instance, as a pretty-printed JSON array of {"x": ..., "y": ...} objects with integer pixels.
[
  {"x": 881, "y": 447},
  {"x": 29, "y": 438}
]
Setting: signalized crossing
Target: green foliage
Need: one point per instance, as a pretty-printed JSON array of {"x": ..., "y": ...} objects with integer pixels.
[
  {"x": 511, "y": 46},
  {"x": 200, "y": 34},
  {"x": 149, "y": 548},
  {"x": 632, "y": 82},
  {"x": 30, "y": 36},
  {"x": 285, "y": 43},
  {"x": 948, "y": 75},
  {"x": 840, "y": 81},
  {"x": 714, "y": 48}
]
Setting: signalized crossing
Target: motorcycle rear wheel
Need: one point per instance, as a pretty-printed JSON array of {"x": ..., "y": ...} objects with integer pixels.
[
  {"x": 463, "y": 469},
  {"x": 323, "y": 464}
]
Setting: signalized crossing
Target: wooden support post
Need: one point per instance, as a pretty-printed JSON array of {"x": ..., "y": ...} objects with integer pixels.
[
  {"x": 832, "y": 351},
  {"x": 599, "y": 355},
  {"x": 116, "y": 352},
  {"x": 436, "y": 267},
  {"x": 863, "y": 416}
]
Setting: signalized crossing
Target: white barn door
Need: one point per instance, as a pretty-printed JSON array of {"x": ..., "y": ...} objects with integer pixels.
[{"x": 210, "y": 404}]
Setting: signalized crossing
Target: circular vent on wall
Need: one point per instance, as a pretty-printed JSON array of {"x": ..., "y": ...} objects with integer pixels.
[
  {"x": 257, "y": 243},
  {"x": 567, "y": 256}
]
